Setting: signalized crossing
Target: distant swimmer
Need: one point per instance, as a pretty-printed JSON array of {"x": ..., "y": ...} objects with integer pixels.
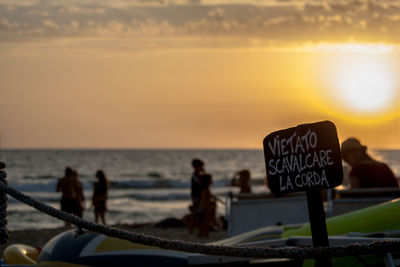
[
  {"x": 366, "y": 172},
  {"x": 242, "y": 179}
]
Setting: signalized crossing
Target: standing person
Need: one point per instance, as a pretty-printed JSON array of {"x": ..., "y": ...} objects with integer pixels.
[
  {"x": 198, "y": 167},
  {"x": 207, "y": 206},
  {"x": 72, "y": 198},
  {"x": 100, "y": 194},
  {"x": 366, "y": 172},
  {"x": 80, "y": 195},
  {"x": 242, "y": 179}
]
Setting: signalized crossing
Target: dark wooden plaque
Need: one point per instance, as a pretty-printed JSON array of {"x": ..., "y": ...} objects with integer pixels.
[{"x": 306, "y": 157}]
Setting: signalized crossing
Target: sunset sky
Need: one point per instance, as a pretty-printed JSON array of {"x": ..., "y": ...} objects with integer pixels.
[{"x": 196, "y": 73}]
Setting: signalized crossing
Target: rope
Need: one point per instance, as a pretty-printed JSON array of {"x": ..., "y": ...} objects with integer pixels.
[
  {"x": 378, "y": 247},
  {"x": 4, "y": 235}
]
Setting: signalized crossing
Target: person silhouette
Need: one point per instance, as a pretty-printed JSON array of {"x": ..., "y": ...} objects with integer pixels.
[
  {"x": 72, "y": 198},
  {"x": 242, "y": 179},
  {"x": 366, "y": 172},
  {"x": 207, "y": 206},
  {"x": 198, "y": 167},
  {"x": 100, "y": 194}
]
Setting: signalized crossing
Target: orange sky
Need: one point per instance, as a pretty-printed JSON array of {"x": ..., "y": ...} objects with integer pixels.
[{"x": 194, "y": 74}]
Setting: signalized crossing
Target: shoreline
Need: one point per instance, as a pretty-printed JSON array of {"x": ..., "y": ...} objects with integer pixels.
[{"x": 39, "y": 237}]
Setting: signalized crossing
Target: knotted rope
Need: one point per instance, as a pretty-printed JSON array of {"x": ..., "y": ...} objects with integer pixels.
[
  {"x": 377, "y": 247},
  {"x": 4, "y": 236}
]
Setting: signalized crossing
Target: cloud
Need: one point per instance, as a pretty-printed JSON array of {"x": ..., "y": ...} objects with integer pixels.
[
  {"x": 170, "y": 22},
  {"x": 36, "y": 12},
  {"x": 50, "y": 24},
  {"x": 5, "y": 24},
  {"x": 75, "y": 10}
]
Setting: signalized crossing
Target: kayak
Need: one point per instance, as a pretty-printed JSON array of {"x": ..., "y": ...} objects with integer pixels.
[
  {"x": 378, "y": 218},
  {"x": 92, "y": 249}
]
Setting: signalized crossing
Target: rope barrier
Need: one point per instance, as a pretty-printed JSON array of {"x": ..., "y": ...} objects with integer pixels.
[
  {"x": 4, "y": 235},
  {"x": 377, "y": 247}
]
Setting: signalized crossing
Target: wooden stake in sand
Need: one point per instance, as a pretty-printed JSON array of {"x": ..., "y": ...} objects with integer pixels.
[{"x": 306, "y": 158}]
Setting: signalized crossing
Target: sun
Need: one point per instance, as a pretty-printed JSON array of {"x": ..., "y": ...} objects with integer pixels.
[
  {"x": 357, "y": 83},
  {"x": 365, "y": 85}
]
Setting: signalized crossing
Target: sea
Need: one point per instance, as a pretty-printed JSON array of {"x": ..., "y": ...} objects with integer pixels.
[{"x": 146, "y": 186}]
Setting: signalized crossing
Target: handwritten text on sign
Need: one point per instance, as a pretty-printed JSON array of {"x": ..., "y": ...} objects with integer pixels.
[{"x": 303, "y": 157}]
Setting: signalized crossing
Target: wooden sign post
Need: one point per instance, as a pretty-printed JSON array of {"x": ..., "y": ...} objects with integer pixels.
[{"x": 306, "y": 158}]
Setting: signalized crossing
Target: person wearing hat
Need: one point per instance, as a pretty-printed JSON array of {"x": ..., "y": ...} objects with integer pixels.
[{"x": 366, "y": 172}]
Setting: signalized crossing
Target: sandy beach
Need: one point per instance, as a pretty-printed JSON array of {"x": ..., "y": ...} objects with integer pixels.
[{"x": 38, "y": 238}]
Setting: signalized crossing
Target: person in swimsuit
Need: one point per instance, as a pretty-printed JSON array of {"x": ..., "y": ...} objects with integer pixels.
[{"x": 100, "y": 194}]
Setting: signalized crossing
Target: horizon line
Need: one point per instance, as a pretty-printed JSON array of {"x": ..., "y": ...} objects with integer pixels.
[
  {"x": 147, "y": 148},
  {"x": 129, "y": 148}
]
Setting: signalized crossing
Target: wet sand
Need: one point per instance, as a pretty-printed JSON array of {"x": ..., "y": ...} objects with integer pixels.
[{"x": 38, "y": 238}]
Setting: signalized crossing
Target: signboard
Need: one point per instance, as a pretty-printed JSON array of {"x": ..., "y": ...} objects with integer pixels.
[{"x": 303, "y": 158}]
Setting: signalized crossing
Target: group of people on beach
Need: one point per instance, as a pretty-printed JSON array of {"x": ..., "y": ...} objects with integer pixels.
[
  {"x": 365, "y": 172},
  {"x": 73, "y": 199}
]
